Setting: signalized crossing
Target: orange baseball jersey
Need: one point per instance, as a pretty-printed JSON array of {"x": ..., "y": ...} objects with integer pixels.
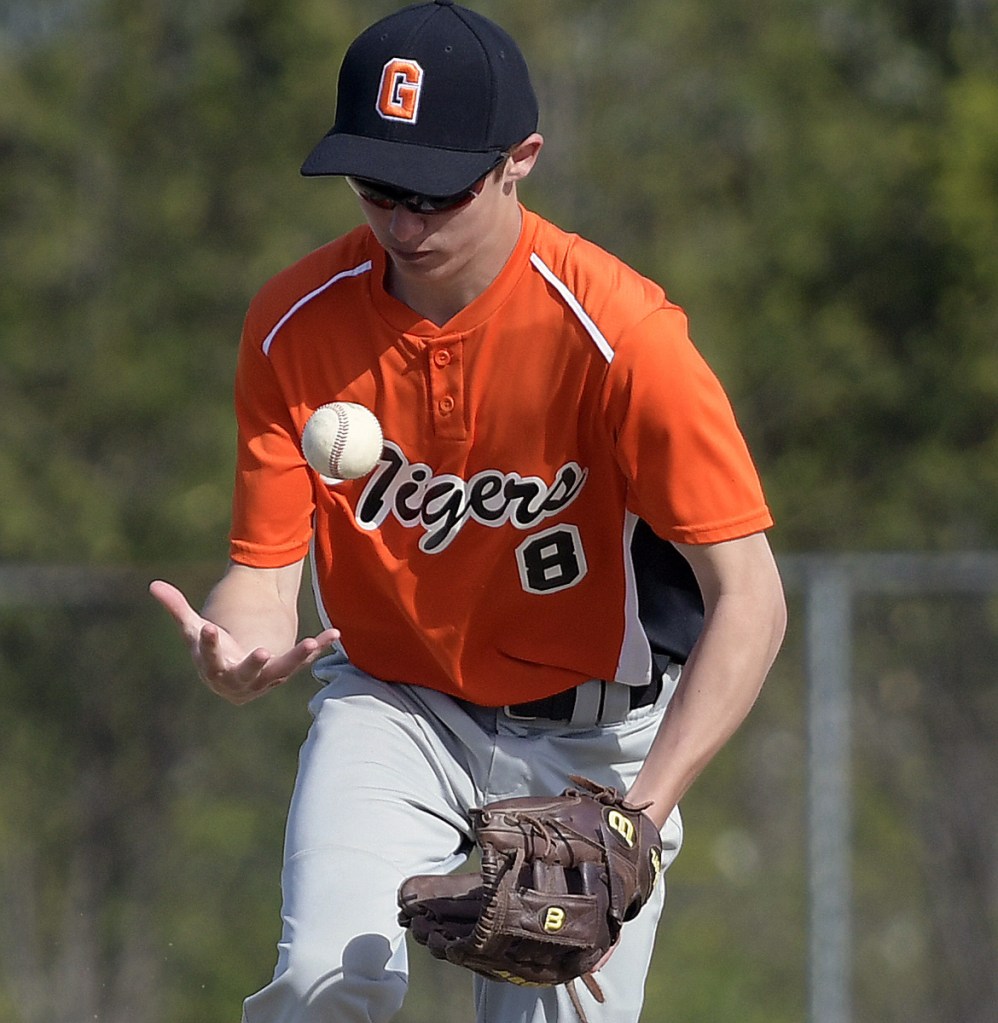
[{"x": 541, "y": 450}]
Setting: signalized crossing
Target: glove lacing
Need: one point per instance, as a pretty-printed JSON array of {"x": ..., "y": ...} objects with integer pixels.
[{"x": 592, "y": 984}]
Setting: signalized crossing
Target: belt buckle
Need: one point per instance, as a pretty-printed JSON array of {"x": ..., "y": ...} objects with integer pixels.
[{"x": 513, "y": 716}]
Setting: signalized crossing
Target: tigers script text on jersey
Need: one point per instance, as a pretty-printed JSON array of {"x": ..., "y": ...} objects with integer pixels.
[{"x": 541, "y": 449}]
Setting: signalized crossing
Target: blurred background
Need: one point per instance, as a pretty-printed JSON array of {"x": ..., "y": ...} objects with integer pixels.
[{"x": 814, "y": 181}]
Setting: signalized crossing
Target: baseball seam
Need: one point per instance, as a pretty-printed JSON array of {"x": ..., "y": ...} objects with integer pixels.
[{"x": 339, "y": 443}]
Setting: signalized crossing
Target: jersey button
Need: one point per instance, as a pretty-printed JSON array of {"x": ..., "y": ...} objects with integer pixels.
[
  {"x": 446, "y": 405},
  {"x": 441, "y": 357}
]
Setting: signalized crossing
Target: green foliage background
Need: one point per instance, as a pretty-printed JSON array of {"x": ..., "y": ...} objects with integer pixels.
[{"x": 815, "y": 181}]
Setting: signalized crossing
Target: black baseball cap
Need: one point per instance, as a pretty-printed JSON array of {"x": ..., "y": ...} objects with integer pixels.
[{"x": 429, "y": 99}]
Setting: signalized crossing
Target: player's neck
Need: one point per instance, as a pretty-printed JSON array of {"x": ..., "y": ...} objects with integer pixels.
[{"x": 436, "y": 302}]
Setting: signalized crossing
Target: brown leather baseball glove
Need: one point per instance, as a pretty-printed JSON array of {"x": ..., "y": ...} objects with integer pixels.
[{"x": 559, "y": 877}]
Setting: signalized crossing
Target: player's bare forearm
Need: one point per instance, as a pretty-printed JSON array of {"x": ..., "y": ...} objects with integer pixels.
[
  {"x": 743, "y": 630},
  {"x": 244, "y": 642}
]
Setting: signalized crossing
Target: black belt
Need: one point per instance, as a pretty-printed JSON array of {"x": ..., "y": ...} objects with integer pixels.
[{"x": 561, "y": 706}]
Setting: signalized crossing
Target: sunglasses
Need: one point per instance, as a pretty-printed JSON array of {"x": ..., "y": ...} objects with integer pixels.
[{"x": 386, "y": 197}]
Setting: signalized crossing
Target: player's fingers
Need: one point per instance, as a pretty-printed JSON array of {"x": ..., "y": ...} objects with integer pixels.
[
  {"x": 280, "y": 668},
  {"x": 209, "y": 647},
  {"x": 174, "y": 602},
  {"x": 261, "y": 672},
  {"x": 241, "y": 679},
  {"x": 218, "y": 666},
  {"x": 236, "y": 681},
  {"x": 325, "y": 639}
]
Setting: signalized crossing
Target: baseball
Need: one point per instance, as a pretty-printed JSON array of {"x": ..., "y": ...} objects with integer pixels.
[{"x": 342, "y": 440}]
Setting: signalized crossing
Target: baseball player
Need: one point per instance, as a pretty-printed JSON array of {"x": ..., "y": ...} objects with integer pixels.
[{"x": 558, "y": 567}]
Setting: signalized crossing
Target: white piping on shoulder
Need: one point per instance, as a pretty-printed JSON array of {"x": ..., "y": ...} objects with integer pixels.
[
  {"x": 305, "y": 299},
  {"x": 573, "y": 303}
]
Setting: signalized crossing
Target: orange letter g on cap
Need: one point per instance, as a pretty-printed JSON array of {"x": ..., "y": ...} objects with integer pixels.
[{"x": 401, "y": 84}]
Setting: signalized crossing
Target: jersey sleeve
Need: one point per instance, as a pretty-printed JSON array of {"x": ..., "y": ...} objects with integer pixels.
[
  {"x": 689, "y": 471},
  {"x": 273, "y": 502}
]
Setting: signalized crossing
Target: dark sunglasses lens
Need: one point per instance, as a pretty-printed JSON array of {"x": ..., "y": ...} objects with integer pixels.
[
  {"x": 377, "y": 195},
  {"x": 385, "y": 197},
  {"x": 438, "y": 204}
]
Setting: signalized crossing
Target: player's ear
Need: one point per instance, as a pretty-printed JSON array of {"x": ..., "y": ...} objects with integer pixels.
[{"x": 523, "y": 156}]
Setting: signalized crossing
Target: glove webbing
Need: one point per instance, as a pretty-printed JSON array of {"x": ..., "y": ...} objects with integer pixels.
[{"x": 493, "y": 870}]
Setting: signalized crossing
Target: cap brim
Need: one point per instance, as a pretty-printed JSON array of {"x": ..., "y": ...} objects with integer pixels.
[{"x": 415, "y": 168}]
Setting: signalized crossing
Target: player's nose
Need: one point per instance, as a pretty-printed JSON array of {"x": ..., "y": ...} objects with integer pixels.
[{"x": 405, "y": 225}]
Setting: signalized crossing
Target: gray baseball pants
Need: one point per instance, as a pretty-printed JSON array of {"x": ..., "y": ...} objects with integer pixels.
[{"x": 385, "y": 778}]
